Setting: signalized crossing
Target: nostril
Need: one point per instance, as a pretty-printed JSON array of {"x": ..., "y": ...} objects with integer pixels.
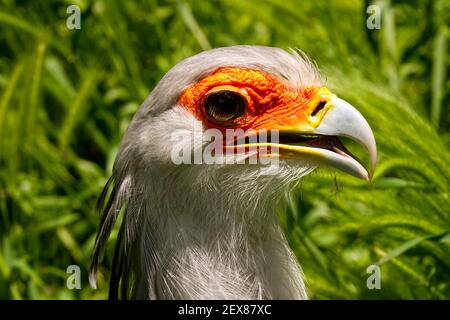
[{"x": 319, "y": 107}]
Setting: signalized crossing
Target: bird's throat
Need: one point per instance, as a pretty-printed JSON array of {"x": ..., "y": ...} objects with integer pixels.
[{"x": 198, "y": 254}]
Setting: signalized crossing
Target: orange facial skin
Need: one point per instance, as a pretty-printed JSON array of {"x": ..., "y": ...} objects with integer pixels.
[{"x": 271, "y": 104}]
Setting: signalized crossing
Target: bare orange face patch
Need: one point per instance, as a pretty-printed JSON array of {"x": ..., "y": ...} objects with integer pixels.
[{"x": 269, "y": 102}]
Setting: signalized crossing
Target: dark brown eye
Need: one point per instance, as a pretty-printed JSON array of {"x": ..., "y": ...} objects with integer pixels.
[{"x": 224, "y": 106}]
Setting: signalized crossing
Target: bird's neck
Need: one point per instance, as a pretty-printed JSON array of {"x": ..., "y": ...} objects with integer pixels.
[{"x": 208, "y": 247}]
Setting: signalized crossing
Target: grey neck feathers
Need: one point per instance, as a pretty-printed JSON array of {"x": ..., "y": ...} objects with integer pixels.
[{"x": 211, "y": 243}]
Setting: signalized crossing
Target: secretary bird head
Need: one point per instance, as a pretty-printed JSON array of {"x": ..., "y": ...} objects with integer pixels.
[{"x": 209, "y": 230}]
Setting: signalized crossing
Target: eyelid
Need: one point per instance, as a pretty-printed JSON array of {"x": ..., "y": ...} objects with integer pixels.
[{"x": 238, "y": 90}]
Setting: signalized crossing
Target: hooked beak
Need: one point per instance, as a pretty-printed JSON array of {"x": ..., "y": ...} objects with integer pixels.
[
  {"x": 321, "y": 144},
  {"x": 314, "y": 136}
]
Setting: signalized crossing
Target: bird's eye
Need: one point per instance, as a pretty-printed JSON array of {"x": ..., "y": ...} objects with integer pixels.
[{"x": 224, "y": 106}]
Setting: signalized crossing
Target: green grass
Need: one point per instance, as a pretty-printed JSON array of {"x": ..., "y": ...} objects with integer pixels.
[{"x": 66, "y": 97}]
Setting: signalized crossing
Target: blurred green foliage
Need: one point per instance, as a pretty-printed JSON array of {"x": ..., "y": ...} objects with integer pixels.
[{"x": 66, "y": 97}]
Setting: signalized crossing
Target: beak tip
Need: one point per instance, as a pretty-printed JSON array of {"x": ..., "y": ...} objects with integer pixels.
[
  {"x": 373, "y": 160},
  {"x": 366, "y": 176},
  {"x": 345, "y": 120}
]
